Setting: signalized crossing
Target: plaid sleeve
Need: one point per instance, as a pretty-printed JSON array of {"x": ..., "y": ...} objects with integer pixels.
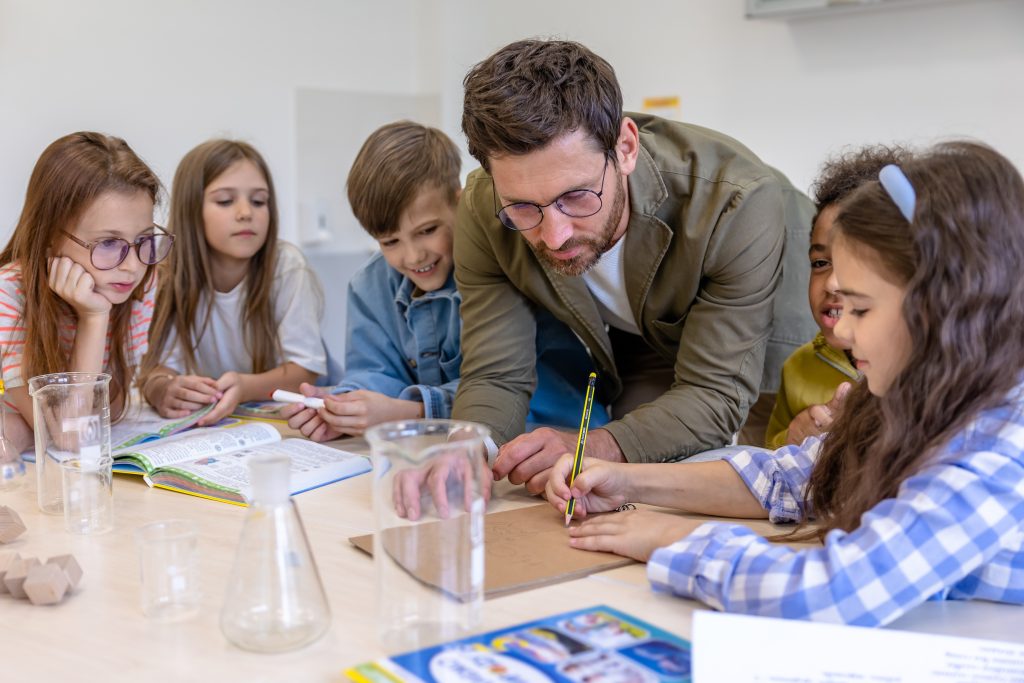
[
  {"x": 955, "y": 530},
  {"x": 778, "y": 479}
]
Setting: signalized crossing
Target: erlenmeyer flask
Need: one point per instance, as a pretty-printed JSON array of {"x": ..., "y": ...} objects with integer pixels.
[{"x": 275, "y": 600}]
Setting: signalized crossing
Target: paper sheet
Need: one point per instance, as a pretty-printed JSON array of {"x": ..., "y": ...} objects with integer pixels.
[{"x": 786, "y": 651}]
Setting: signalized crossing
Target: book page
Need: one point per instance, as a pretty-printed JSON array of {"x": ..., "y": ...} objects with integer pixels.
[
  {"x": 829, "y": 653},
  {"x": 312, "y": 465},
  {"x": 200, "y": 443},
  {"x": 143, "y": 424}
]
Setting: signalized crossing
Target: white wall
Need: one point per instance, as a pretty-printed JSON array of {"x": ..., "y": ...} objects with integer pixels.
[
  {"x": 792, "y": 91},
  {"x": 167, "y": 75}
]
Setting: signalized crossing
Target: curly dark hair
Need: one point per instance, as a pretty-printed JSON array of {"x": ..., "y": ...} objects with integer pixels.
[{"x": 842, "y": 174}]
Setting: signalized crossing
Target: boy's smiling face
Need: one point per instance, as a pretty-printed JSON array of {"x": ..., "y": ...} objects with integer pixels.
[
  {"x": 825, "y": 305},
  {"x": 421, "y": 247}
]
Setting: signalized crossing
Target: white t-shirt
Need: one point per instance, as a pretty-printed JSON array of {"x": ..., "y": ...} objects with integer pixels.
[
  {"x": 298, "y": 309},
  {"x": 607, "y": 283}
]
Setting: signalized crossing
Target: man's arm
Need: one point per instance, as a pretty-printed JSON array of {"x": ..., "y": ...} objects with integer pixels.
[
  {"x": 723, "y": 337},
  {"x": 498, "y": 326}
]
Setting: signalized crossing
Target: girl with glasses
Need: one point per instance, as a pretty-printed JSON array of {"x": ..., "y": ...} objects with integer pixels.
[
  {"x": 76, "y": 278},
  {"x": 238, "y": 313}
]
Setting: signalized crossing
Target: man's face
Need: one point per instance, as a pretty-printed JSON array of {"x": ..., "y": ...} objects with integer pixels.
[{"x": 570, "y": 246}]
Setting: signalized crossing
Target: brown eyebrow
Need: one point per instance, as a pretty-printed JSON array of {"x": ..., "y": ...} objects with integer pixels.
[
  {"x": 818, "y": 248},
  {"x": 511, "y": 200},
  {"x": 851, "y": 293}
]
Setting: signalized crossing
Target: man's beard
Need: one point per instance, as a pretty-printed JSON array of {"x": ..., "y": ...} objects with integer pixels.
[{"x": 593, "y": 247}]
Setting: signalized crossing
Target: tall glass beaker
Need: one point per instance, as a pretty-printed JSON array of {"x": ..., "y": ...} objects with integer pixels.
[
  {"x": 71, "y": 411},
  {"x": 428, "y": 498}
]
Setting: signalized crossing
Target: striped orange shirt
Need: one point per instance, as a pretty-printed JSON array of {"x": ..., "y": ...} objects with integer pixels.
[{"x": 12, "y": 328}]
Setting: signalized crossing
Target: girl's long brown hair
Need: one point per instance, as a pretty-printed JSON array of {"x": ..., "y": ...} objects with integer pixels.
[
  {"x": 186, "y": 279},
  {"x": 960, "y": 260},
  {"x": 70, "y": 175}
]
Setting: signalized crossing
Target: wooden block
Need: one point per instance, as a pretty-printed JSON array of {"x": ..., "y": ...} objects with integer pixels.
[
  {"x": 11, "y": 525},
  {"x": 45, "y": 584},
  {"x": 69, "y": 565},
  {"x": 16, "y": 574},
  {"x": 5, "y": 561}
]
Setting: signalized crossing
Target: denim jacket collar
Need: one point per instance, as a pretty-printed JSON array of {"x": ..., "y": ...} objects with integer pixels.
[{"x": 403, "y": 293}]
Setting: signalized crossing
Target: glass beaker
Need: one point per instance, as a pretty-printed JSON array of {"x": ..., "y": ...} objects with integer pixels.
[
  {"x": 275, "y": 600},
  {"x": 169, "y": 569},
  {"x": 71, "y": 412},
  {"x": 428, "y": 498}
]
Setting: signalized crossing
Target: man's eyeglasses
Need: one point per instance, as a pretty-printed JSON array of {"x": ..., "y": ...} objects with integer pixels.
[
  {"x": 110, "y": 252},
  {"x": 574, "y": 203}
]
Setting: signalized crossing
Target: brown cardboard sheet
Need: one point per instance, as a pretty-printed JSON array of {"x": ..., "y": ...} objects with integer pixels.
[{"x": 523, "y": 549}]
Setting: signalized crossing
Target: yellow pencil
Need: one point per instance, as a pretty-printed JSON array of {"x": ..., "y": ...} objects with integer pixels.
[{"x": 581, "y": 443}]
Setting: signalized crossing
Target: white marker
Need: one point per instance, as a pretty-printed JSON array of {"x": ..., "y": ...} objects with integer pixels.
[{"x": 291, "y": 397}]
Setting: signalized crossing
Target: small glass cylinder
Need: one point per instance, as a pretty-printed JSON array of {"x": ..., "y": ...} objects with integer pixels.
[
  {"x": 88, "y": 493},
  {"x": 429, "y": 479},
  {"x": 169, "y": 570}
]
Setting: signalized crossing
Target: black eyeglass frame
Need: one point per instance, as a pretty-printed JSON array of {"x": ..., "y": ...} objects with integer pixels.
[
  {"x": 540, "y": 207},
  {"x": 91, "y": 246}
]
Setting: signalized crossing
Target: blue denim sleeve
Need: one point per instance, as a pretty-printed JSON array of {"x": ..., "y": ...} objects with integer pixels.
[
  {"x": 437, "y": 401},
  {"x": 372, "y": 361}
]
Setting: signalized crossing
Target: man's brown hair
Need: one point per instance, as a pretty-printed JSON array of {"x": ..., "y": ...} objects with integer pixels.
[
  {"x": 530, "y": 92},
  {"x": 397, "y": 161}
]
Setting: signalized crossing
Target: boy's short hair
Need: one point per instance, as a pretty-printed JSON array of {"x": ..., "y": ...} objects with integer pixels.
[
  {"x": 844, "y": 173},
  {"x": 397, "y": 161},
  {"x": 532, "y": 91}
]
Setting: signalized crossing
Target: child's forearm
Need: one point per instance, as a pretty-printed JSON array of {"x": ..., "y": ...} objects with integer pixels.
[
  {"x": 259, "y": 387},
  {"x": 154, "y": 384},
  {"x": 90, "y": 341},
  {"x": 708, "y": 488}
]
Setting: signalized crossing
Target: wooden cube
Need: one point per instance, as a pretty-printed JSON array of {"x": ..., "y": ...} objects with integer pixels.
[
  {"x": 5, "y": 561},
  {"x": 45, "y": 584},
  {"x": 11, "y": 525},
  {"x": 69, "y": 565},
  {"x": 16, "y": 574}
]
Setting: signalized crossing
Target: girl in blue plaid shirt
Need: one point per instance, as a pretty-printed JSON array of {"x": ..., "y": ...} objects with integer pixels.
[{"x": 917, "y": 492}]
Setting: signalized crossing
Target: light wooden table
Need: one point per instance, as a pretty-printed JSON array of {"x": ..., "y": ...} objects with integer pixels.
[{"x": 100, "y": 634}]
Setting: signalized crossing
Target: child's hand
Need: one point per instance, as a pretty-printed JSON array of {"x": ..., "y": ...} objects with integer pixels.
[
  {"x": 230, "y": 386},
  {"x": 75, "y": 285},
  {"x": 817, "y": 419},
  {"x": 633, "y": 533},
  {"x": 354, "y": 412},
  {"x": 185, "y": 394},
  {"x": 308, "y": 420},
  {"x": 599, "y": 487}
]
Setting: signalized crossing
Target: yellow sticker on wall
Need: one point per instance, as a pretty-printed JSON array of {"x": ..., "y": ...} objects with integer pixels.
[{"x": 667, "y": 107}]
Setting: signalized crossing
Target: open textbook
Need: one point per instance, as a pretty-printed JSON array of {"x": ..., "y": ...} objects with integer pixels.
[
  {"x": 212, "y": 462},
  {"x": 143, "y": 424}
]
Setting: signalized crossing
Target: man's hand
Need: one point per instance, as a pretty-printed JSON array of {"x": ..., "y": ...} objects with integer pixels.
[
  {"x": 75, "y": 285},
  {"x": 817, "y": 419},
  {"x": 633, "y": 533},
  {"x": 441, "y": 479},
  {"x": 528, "y": 458}
]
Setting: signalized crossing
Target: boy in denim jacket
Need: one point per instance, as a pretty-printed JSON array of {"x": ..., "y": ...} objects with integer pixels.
[{"x": 402, "y": 355}]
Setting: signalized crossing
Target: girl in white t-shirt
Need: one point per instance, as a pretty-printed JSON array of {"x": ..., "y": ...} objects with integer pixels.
[{"x": 246, "y": 305}]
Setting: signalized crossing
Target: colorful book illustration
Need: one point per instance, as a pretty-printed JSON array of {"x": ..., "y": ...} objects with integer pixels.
[
  {"x": 260, "y": 410},
  {"x": 211, "y": 462},
  {"x": 593, "y": 645}
]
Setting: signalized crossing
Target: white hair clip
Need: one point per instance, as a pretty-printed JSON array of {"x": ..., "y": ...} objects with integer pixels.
[{"x": 900, "y": 190}]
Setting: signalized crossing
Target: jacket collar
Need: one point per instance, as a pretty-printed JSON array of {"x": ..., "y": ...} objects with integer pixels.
[{"x": 404, "y": 293}]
